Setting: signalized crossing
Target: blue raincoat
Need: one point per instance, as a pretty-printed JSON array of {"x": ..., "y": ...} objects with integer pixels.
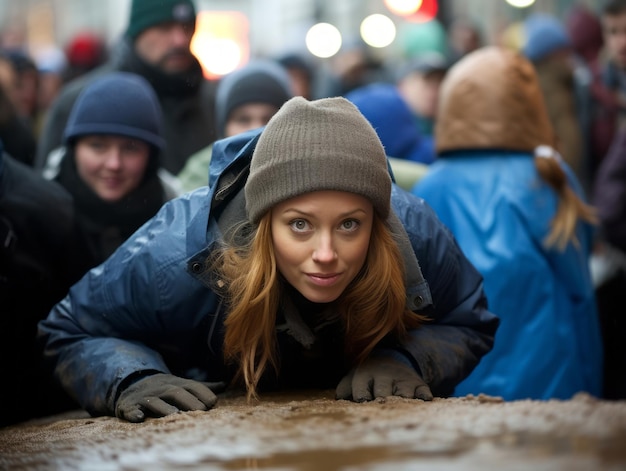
[{"x": 499, "y": 209}]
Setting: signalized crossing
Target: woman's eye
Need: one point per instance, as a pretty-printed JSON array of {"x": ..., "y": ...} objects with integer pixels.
[
  {"x": 299, "y": 225},
  {"x": 350, "y": 225},
  {"x": 242, "y": 120},
  {"x": 97, "y": 145}
]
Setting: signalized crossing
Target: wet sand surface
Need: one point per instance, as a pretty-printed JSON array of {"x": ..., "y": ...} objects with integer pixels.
[{"x": 310, "y": 431}]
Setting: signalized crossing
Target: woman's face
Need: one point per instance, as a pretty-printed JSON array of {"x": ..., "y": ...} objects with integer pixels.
[
  {"x": 112, "y": 166},
  {"x": 249, "y": 116},
  {"x": 321, "y": 241}
]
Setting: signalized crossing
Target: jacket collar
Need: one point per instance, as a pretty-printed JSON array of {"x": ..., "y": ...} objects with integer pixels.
[{"x": 230, "y": 164}]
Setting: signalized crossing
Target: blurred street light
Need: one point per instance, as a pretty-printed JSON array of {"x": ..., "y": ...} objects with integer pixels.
[
  {"x": 378, "y": 30},
  {"x": 415, "y": 11},
  {"x": 323, "y": 40},
  {"x": 520, "y": 3},
  {"x": 221, "y": 42},
  {"x": 403, "y": 7}
]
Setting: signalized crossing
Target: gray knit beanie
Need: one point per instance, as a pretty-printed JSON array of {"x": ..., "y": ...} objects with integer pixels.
[{"x": 307, "y": 146}]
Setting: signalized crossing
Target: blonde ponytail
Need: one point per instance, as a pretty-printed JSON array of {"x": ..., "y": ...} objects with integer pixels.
[{"x": 570, "y": 208}]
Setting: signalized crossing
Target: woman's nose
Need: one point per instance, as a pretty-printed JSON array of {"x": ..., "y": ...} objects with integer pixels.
[
  {"x": 113, "y": 158},
  {"x": 325, "y": 250}
]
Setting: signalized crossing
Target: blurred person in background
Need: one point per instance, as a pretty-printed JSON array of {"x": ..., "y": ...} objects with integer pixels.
[
  {"x": 27, "y": 81},
  {"x": 85, "y": 51},
  {"x": 352, "y": 67},
  {"x": 409, "y": 153},
  {"x": 246, "y": 99},
  {"x": 301, "y": 72},
  {"x": 17, "y": 137},
  {"x": 519, "y": 214},
  {"x": 418, "y": 82},
  {"x": 110, "y": 161},
  {"x": 41, "y": 256},
  {"x": 609, "y": 194},
  {"x": 548, "y": 46},
  {"x": 465, "y": 37},
  {"x": 609, "y": 197},
  {"x": 156, "y": 45},
  {"x": 598, "y": 104},
  {"x": 613, "y": 18}
]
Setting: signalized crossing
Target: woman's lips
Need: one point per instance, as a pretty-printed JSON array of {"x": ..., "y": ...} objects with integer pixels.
[
  {"x": 112, "y": 182},
  {"x": 323, "y": 279}
]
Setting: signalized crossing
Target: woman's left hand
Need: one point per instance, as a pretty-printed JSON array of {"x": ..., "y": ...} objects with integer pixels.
[{"x": 382, "y": 376}]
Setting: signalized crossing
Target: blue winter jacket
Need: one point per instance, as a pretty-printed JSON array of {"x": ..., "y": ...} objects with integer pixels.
[
  {"x": 150, "y": 308},
  {"x": 499, "y": 209}
]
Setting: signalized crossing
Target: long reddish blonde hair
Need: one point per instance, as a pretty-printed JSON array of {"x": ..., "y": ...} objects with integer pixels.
[{"x": 371, "y": 308}]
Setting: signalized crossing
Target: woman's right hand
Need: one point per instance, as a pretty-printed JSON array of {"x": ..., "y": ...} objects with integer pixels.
[{"x": 162, "y": 394}]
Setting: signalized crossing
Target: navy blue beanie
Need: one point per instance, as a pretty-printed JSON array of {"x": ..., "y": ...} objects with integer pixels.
[
  {"x": 119, "y": 104},
  {"x": 385, "y": 109},
  {"x": 544, "y": 35}
]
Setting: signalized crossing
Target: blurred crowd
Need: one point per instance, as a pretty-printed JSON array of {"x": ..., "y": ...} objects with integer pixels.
[{"x": 97, "y": 138}]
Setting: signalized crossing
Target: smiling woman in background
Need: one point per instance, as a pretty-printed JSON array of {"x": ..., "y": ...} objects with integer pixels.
[{"x": 110, "y": 162}]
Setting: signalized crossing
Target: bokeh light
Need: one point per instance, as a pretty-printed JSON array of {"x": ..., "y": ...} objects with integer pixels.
[
  {"x": 221, "y": 42},
  {"x": 403, "y": 7},
  {"x": 520, "y": 3},
  {"x": 323, "y": 40},
  {"x": 378, "y": 30},
  {"x": 224, "y": 58}
]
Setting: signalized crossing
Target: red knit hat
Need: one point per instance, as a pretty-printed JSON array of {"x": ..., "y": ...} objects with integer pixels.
[{"x": 85, "y": 50}]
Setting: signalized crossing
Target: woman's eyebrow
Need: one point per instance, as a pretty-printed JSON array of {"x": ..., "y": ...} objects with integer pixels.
[{"x": 351, "y": 212}]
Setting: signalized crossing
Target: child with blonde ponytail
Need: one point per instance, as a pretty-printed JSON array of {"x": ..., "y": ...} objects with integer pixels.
[{"x": 519, "y": 215}]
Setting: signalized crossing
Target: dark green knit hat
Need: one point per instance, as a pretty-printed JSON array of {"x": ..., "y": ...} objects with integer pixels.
[
  {"x": 147, "y": 13},
  {"x": 325, "y": 144}
]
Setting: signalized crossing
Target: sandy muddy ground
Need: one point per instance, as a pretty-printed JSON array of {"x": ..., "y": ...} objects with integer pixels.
[{"x": 312, "y": 431}]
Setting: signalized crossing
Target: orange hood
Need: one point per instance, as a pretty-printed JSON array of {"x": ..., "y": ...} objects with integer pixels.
[{"x": 491, "y": 99}]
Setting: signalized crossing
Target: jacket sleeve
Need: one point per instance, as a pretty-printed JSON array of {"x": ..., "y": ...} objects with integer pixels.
[
  {"x": 460, "y": 329},
  {"x": 125, "y": 315}
]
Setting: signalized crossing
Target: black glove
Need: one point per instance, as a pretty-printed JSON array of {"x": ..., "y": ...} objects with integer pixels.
[
  {"x": 381, "y": 376},
  {"x": 162, "y": 394}
]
